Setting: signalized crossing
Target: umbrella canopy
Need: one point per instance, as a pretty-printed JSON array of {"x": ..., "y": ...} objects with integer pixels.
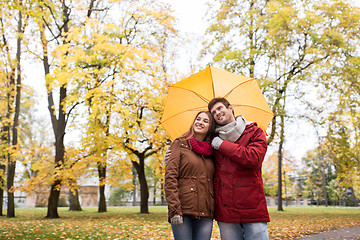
[{"x": 191, "y": 95}]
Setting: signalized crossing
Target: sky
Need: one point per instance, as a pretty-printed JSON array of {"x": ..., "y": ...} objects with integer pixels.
[{"x": 190, "y": 15}]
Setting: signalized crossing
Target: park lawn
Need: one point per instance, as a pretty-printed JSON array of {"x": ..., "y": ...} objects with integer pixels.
[{"x": 127, "y": 223}]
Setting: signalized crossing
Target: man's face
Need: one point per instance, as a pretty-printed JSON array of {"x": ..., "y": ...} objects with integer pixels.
[{"x": 222, "y": 115}]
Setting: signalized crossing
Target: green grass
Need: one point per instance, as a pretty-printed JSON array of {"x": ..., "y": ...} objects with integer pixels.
[
  {"x": 128, "y": 223},
  {"x": 117, "y": 223}
]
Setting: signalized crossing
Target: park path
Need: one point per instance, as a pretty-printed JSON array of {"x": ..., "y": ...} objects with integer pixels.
[{"x": 338, "y": 234}]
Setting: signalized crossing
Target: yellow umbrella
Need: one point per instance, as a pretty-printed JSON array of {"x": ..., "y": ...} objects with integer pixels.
[{"x": 191, "y": 95}]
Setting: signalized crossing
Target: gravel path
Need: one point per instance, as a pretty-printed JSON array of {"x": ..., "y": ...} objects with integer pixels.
[{"x": 339, "y": 234}]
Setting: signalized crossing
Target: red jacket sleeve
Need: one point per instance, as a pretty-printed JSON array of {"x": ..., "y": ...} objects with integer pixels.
[{"x": 250, "y": 154}]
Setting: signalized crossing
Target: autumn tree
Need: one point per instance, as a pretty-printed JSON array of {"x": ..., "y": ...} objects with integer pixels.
[
  {"x": 55, "y": 21},
  {"x": 269, "y": 174},
  {"x": 289, "y": 176},
  {"x": 343, "y": 123},
  {"x": 112, "y": 67},
  {"x": 35, "y": 148},
  {"x": 344, "y": 154},
  {"x": 140, "y": 132},
  {"x": 142, "y": 137},
  {"x": 281, "y": 43},
  {"x": 319, "y": 172},
  {"x": 95, "y": 59},
  {"x": 13, "y": 22},
  {"x": 339, "y": 93},
  {"x": 61, "y": 32}
]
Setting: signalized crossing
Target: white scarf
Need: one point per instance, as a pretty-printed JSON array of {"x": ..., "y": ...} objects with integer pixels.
[{"x": 232, "y": 131}]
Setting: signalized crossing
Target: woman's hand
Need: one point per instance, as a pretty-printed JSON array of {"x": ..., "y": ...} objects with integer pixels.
[{"x": 177, "y": 219}]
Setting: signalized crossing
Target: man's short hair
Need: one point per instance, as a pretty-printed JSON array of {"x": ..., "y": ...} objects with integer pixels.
[{"x": 216, "y": 100}]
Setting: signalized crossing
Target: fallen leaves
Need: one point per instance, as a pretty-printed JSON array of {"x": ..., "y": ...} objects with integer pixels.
[
  {"x": 299, "y": 222},
  {"x": 126, "y": 223}
]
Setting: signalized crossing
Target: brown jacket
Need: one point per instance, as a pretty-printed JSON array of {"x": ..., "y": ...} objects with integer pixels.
[{"x": 189, "y": 182}]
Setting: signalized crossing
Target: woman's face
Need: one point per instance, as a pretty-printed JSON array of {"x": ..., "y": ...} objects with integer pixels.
[{"x": 201, "y": 124}]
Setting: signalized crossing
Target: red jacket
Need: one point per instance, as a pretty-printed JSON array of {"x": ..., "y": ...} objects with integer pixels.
[{"x": 238, "y": 185}]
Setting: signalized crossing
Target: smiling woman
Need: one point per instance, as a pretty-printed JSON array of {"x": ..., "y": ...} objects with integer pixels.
[{"x": 188, "y": 181}]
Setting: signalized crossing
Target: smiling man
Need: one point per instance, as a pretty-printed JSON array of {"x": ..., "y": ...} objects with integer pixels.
[{"x": 240, "y": 148}]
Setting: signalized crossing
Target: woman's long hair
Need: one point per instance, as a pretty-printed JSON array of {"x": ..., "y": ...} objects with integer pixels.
[{"x": 190, "y": 133}]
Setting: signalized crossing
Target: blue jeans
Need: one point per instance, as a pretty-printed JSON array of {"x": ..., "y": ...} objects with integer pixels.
[
  {"x": 193, "y": 228},
  {"x": 243, "y": 231}
]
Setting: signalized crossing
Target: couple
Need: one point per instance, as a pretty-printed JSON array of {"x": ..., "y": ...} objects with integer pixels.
[{"x": 201, "y": 168}]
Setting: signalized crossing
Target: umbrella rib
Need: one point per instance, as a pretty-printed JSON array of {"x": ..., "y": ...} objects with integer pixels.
[
  {"x": 240, "y": 105},
  {"x": 237, "y": 86},
  {"x": 212, "y": 82},
  {"x": 203, "y": 98}
]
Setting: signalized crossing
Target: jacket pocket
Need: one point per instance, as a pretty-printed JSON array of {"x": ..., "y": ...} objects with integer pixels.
[
  {"x": 246, "y": 193},
  {"x": 187, "y": 194}
]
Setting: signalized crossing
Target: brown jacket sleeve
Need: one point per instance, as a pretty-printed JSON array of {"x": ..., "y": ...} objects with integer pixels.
[{"x": 172, "y": 171}]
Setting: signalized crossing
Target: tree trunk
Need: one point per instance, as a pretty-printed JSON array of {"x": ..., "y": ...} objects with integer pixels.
[
  {"x": 1, "y": 200},
  {"x": 52, "y": 211},
  {"x": 6, "y": 136},
  {"x": 12, "y": 161},
  {"x": 58, "y": 124},
  {"x": 1, "y": 197},
  {"x": 353, "y": 197},
  {"x": 10, "y": 191},
  {"x": 74, "y": 200},
  {"x": 134, "y": 184},
  {"x": 2, "y": 185},
  {"x": 162, "y": 192},
  {"x": 144, "y": 190},
  {"x": 2, "y": 168},
  {"x": 102, "y": 200},
  {"x": 54, "y": 193},
  {"x": 324, "y": 188},
  {"x": 163, "y": 202},
  {"x": 323, "y": 174},
  {"x": 154, "y": 195},
  {"x": 53, "y": 200},
  {"x": 280, "y": 205},
  {"x": 280, "y": 157},
  {"x": 154, "y": 190},
  {"x": 286, "y": 202}
]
